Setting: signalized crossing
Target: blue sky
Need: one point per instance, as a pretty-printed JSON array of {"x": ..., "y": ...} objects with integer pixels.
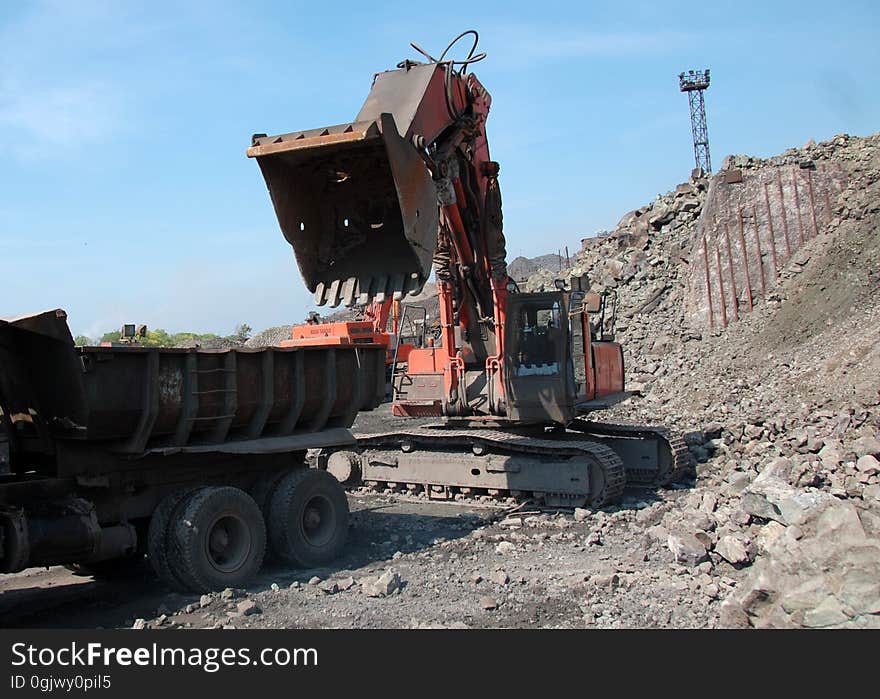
[{"x": 125, "y": 194}]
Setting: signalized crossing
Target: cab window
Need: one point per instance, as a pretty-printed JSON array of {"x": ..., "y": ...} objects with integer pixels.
[{"x": 537, "y": 345}]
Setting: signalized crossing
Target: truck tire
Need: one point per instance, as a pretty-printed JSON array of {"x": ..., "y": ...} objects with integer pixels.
[
  {"x": 157, "y": 538},
  {"x": 308, "y": 518},
  {"x": 262, "y": 490},
  {"x": 217, "y": 539}
]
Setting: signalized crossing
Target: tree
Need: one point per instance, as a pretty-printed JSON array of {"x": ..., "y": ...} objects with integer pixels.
[
  {"x": 82, "y": 340},
  {"x": 242, "y": 332},
  {"x": 157, "y": 338},
  {"x": 113, "y": 336}
]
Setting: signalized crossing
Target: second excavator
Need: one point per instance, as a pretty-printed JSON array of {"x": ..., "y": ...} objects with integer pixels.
[{"x": 370, "y": 207}]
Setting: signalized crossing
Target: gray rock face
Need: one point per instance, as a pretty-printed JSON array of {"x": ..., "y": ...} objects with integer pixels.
[
  {"x": 769, "y": 497},
  {"x": 868, "y": 465},
  {"x": 499, "y": 577},
  {"x": 866, "y": 446},
  {"x": 829, "y": 577},
  {"x": 328, "y": 587}
]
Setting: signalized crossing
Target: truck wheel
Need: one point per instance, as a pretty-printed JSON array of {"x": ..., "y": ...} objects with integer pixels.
[
  {"x": 308, "y": 518},
  {"x": 262, "y": 490},
  {"x": 217, "y": 539},
  {"x": 157, "y": 538}
]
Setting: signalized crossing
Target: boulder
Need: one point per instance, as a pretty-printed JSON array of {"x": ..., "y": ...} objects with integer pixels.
[
  {"x": 687, "y": 549},
  {"x": 386, "y": 584},
  {"x": 768, "y": 497},
  {"x": 866, "y": 446},
  {"x": 828, "y": 613},
  {"x": 868, "y": 465},
  {"x": 248, "y": 607},
  {"x": 733, "y": 549}
]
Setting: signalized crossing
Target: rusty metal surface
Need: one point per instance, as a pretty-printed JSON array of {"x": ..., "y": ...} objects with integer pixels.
[
  {"x": 336, "y": 437},
  {"x": 38, "y": 377},
  {"x": 183, "y": 398},
  {"x": 51, "y": 323},
  {"x": 133, "y": 399}
]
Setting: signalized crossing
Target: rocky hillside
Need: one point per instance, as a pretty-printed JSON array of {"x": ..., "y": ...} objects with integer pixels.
[
  {"x": 782, "y": 405},
  {"x": 521, "y": 268}
]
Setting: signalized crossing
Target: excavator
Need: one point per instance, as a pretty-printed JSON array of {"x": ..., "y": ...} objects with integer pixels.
[
  {"x": 370, "y": 208},
  {"x": 372, "y": 328}
]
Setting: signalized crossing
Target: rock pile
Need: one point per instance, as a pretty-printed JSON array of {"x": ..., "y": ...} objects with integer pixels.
[
  {"x": 782, "y": 409},
  {"x": 270, "y": 337}
]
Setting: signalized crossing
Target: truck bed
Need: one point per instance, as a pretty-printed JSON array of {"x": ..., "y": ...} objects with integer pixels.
[{"x": 133, "y": 400}]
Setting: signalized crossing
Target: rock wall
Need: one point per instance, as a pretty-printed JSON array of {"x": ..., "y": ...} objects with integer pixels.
[{"x": 757, "y": 215}]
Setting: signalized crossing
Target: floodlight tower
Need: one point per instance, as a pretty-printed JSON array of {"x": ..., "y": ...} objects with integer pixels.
[{"x": 694, "y": 82}]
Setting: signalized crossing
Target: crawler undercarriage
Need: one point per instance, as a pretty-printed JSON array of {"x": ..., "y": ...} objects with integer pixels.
[{"x": 588, "y": 464}]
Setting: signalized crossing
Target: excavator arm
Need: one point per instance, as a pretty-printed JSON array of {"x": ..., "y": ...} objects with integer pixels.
[{"x": 370, "y": 206}]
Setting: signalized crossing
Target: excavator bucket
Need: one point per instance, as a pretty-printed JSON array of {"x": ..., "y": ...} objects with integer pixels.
[{"x": 358, "y": 206}]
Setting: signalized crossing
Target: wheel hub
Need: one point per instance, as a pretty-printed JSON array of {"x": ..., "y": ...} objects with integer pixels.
[
  {"x": 318, "y": 521},
  {"x": 228, "y": 543}
]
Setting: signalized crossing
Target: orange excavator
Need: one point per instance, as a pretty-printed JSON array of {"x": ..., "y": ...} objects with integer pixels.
[
  {"x": 371, "y": 329},
  {"x": 369, "y": 207}
]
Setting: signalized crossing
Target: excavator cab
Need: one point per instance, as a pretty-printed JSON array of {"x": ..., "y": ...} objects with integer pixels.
[{"x": 539, "y": 383}]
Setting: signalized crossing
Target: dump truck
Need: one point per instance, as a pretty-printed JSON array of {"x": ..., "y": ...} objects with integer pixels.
[{"x": 196, "y": 458}]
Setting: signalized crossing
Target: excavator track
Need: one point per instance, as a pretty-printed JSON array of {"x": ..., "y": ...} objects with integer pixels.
[
  {"x": 450, "y": 464},
  {"x": 654, "y": 456}
]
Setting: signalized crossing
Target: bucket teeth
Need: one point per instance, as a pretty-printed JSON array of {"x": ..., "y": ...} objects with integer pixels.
[
  {"x": 413, "y": 284},
  {"x": 334, "y": 292},
  {"x": 348, "y": 291},
  {"x": 397, "y": 281},
  {"x": 380, "y": 288},
  {"x": 363, "y": 290}
]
